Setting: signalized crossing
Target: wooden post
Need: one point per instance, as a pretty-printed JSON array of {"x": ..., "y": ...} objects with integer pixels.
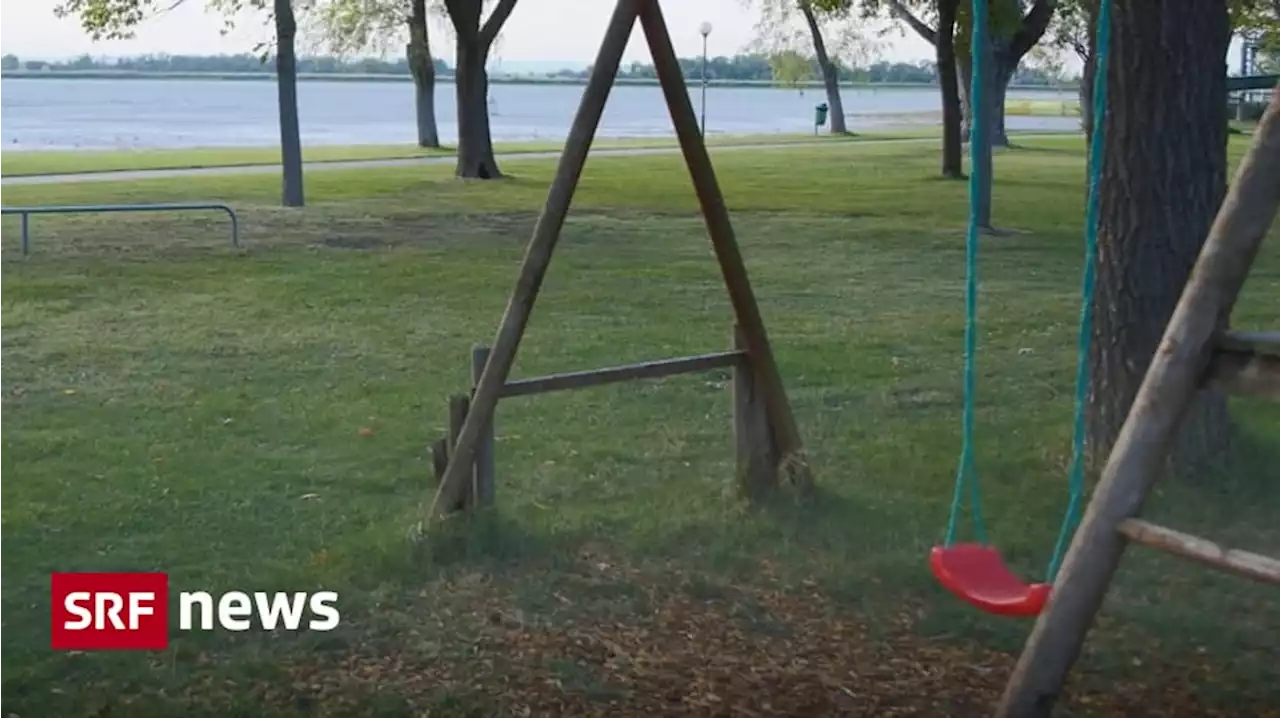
[
  {"x": 546, "y": 233},
  {"x": 747, "y": 312},
  {"x": 484, "y": 482},
  {"x": 1167, "y": 390},
  {"x": 652, "y": 369},
  {"x": 458, "y": 409},
  {"x": 440, "y": 457},
  {"x": 756, "y": 446}
]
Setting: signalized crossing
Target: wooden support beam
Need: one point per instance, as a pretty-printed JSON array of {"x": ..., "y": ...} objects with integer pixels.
[
  {"x": 725, "y": 244},
  {"x": 440, "y": 457},
  {"x": 1265, "y": 343},
  {"x": 609, "y": 375},
  {"x": 1241, "y": 563},
  {"x": 1149, "y": 430},
  {"x": 537, "y": 258},
  {"x": 756, "y": 445},
  {"x": 484, "y": 480},
  {"x": 458, "y": 409},
  {"x": 1245, "y": 373}
]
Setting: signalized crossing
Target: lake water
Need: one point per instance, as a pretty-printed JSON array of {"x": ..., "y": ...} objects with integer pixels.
[{"x": 43, "y": 114}]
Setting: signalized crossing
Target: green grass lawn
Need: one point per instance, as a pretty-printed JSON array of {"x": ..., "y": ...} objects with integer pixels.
[
  {"x": 41, "y": 162},
  {"x": 177, "y": 405}
]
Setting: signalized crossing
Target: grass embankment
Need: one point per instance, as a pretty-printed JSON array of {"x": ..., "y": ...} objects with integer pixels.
[
  {"x": 41, "y": 162},
  {"x": 175, "y": 405},
  {"x": 1042, "y": 108}
]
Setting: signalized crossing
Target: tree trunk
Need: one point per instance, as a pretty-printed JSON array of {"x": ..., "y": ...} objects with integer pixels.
[
  {"x": 473, "y": 40},
  {"x": 1002, "y": 67},
  {"x": 830, "y": 74},
  {"x": 952, "y": 115},
  {"x": 423, "y": 68},
  {"x": 475, "y": 144},
  {"x": 1086, "y": 96},
  {"x": 287, "y": 98},
  {"x": 1164, "y": 175},
  {"x": 1089, "y": 59}
]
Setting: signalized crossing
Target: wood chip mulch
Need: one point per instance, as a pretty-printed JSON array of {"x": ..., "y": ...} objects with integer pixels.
[{"x": 670, "y": 646}]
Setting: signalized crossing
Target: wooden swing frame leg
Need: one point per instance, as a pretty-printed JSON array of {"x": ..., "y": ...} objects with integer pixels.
[
  {"x": 546, "y": 234},
  {"x": 1175, "y": 375}
]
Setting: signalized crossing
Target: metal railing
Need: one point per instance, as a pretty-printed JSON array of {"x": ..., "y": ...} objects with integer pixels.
[{"x": 26, "y": 213}]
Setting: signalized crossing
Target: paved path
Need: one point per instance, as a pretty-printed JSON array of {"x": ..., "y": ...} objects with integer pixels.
[{"x": 129, "y": 175}]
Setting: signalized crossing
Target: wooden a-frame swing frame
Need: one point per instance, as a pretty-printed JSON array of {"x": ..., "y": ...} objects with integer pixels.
[{"x": 753, "y": 355}]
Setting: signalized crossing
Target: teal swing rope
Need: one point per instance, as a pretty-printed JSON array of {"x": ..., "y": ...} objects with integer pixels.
[{"x": 966, "y": 475}]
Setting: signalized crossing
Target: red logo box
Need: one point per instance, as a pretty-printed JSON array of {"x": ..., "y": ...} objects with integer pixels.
[{"x": 110, "y": 611}]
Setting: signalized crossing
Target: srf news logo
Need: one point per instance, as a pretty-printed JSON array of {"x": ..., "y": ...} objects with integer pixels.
[{"x": 130, "y": 611}]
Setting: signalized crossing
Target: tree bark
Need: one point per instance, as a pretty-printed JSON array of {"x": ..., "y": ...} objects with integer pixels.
[
  {"x": 423, "y": 68},
  {"x": 1163, "y": 178},
  {"x": 287, "y": 100},
  {"x": 952, "y": 115},
  {"x": 830, "y": 73}
]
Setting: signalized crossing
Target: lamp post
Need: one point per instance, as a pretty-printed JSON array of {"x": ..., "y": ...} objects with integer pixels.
[{"x": 705, "y": 29}]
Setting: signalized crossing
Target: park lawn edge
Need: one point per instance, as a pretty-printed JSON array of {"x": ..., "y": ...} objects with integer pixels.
[{"x": 38, "y": 163}]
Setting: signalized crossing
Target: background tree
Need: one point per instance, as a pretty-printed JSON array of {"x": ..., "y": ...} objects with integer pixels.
[
  {"x": 1260, "y": 20},
  {"x": 949, "y": 85},
  {"x": 1013, "y": 33},
  {"x": 787, "y": 68},
  {"x": 287, "y": 102},
  {"x": 790, "y": 27},
  {"x": 1159, "y": 193},
  {"x": 118, "y": 19},
  {"x": 942, "y": 35},
  {"x": 474, "y": 41},
  {"x": 351, "y": 26},
  {"x": 1075, "y": 23},
  {"x": 1072, "y": 30}
]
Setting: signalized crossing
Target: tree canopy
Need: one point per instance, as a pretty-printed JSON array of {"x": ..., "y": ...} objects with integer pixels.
[{"x": 118, "y": 19}]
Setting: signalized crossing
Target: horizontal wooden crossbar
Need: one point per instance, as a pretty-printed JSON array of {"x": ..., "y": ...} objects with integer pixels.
[
  {"x": 1267, "y": 343},
  {"x": 1247, "y": 364},
  {"x": 1241, "y": 563},
  {"x": 1246, "y": 374},
  {"x": 608, "y": 375}
]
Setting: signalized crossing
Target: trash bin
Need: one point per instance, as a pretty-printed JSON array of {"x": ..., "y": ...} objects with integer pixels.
[{"x": 820, "y": 114}]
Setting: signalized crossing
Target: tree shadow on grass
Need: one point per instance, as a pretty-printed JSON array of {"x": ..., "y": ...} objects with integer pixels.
[
  {"x": 486, "y": 537},
  {"x": 829, "y": 537},
  {"x": 1237, "y": 486}
]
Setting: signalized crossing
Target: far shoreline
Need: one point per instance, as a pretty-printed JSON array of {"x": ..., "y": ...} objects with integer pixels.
[{"x": 448, "y": 79}]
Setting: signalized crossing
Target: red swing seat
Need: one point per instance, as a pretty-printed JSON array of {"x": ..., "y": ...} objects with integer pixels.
[{"x": 978, "y": 575}]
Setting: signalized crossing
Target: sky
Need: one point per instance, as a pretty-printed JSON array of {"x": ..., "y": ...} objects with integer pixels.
[{"x": 536, "y": 31}]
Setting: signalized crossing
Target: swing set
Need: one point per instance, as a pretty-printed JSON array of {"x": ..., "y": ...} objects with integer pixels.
[
  {"x": 976, "y": 571},
  {"x": 1193, "y": 354}
]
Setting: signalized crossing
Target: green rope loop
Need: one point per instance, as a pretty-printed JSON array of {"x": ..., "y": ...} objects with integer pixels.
[
  {"x": 979, "y": 137},
  {"x": 1076, "y": 472}
]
